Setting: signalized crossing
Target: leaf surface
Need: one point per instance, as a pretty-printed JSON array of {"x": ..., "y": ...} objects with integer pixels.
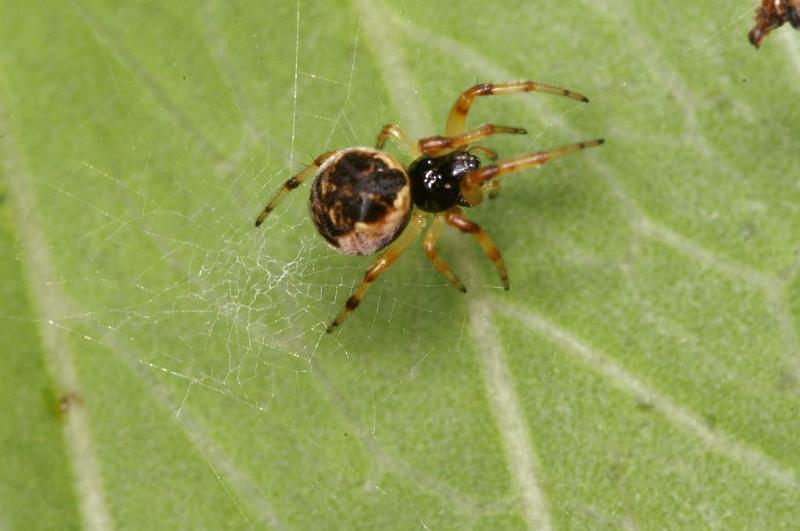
[{"x": 168, "y": 363}]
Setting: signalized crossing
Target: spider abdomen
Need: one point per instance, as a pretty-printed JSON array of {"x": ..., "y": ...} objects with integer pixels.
[{"x": 360, "y": 200}]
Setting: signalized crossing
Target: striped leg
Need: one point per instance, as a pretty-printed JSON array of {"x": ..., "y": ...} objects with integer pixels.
[
  {"x": 291, "y": 184},
  {"x": 436, "y": 146},
  {"x": 471, "y": 185},
  {"x": 381, "y": 264},
  {"x": 430, "y": 251},
  {"x": 457, "y": 219},
  {"x": 396, "y": 133},
  {"x": 458, "y": 114}
]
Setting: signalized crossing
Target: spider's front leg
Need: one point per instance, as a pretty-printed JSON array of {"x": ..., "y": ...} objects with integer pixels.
[
  {"x": 293, "y": 183},
  {"x": 471, "y": 185},
  {"x": 381, "y": 264},
  {"x": 436, "y": 146},
  {"x": 460, "y": 110}
]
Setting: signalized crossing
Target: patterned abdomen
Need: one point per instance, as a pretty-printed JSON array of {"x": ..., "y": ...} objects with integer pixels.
[{"x": 360, "y": 200}]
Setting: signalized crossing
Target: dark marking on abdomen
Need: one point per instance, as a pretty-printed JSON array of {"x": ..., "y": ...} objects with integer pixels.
[{"x": 357, "y": 188}]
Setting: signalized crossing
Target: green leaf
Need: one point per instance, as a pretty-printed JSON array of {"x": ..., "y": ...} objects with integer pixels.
[{"x": 167, "y": 364}]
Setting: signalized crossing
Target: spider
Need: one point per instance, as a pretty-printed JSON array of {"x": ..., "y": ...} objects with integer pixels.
[
  {"x": 364, "y": 200},
  {"x": 773, "y": 14}
]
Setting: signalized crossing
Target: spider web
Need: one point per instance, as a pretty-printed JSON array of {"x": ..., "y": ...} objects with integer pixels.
[{"x": 216, "y": 310}]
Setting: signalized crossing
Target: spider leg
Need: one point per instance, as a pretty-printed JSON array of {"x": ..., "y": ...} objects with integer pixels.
[
  {"x": 493, "y": 185},
  {"x": 381, "y": 264},
  {"x": 458, "y": 114},
  {"x": 429, "y": 245},
  {"x": 471, "y": 185},
  {"x": 396, "y": 133},
  {"x": 436, "y": 146},
  {"x": 291, "y": 184},
  {"x": 456, "y": 218},
  {"x": 489, "y": 153}
]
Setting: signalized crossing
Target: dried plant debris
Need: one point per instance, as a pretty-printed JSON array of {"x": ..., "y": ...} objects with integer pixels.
[{"x": 773, "y": 14}]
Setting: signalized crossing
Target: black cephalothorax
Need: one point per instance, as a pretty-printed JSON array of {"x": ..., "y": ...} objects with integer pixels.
[{"x": 436, "y": 181}]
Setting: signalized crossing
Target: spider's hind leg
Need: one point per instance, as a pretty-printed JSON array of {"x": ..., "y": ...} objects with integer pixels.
[
  {"x": 293, "y": 183},
  {"x": 381, "y": 264}
]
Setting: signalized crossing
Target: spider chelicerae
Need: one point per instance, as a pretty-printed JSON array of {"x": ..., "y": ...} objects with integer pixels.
[{"x": 364, "y": 200}]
